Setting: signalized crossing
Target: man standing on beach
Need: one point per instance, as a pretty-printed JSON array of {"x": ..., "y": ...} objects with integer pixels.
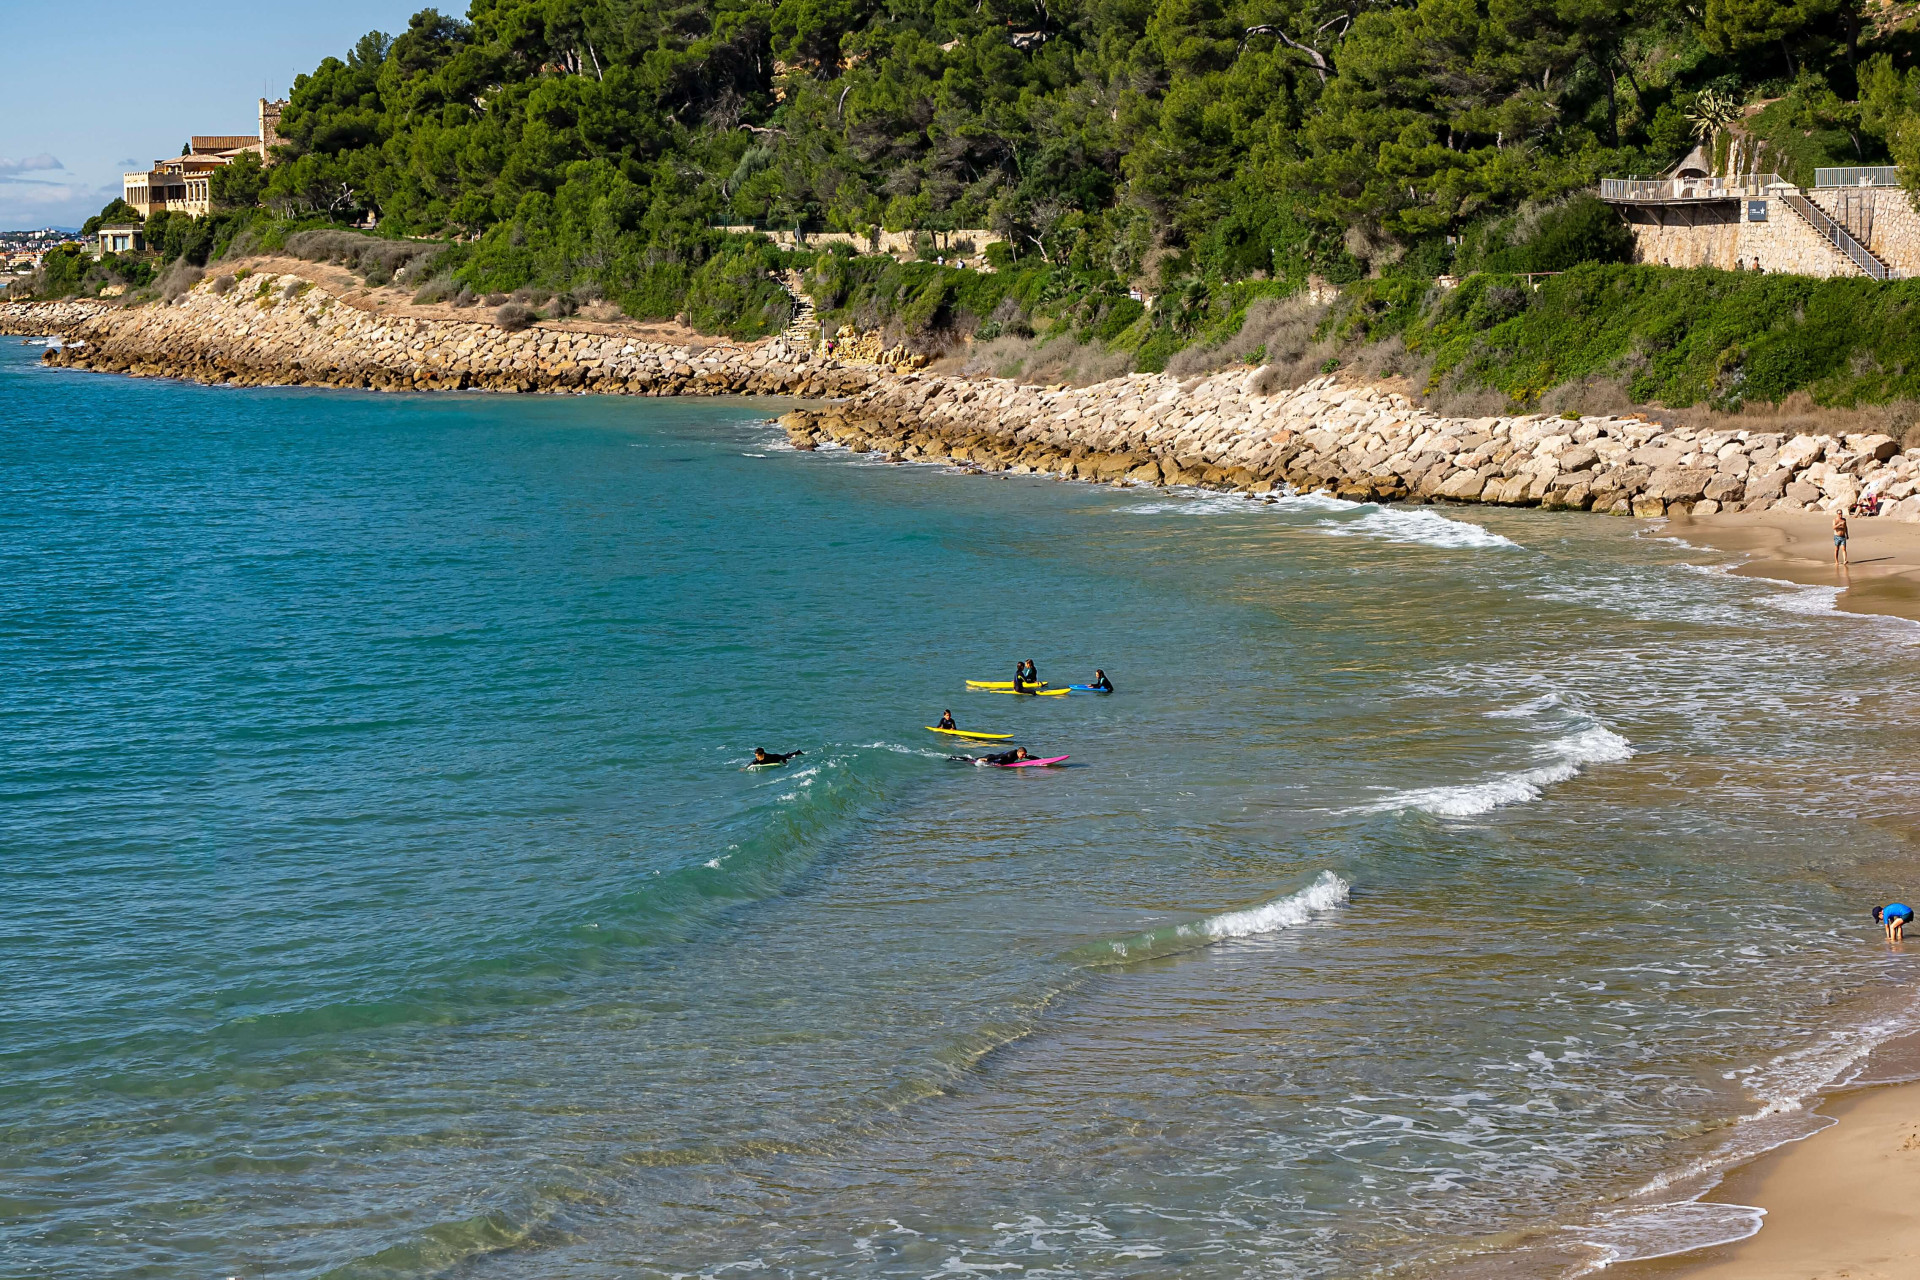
[{"x": 1840, "y": 540}]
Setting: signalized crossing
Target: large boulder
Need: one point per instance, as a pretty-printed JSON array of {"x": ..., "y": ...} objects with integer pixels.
[
  {"x": 1725, "y": 488},
  {"x": 1802, "y": 451},
  {"x": 1463, "y": 486},
  {"x": 1802, "y": 493},
  {"x": 1679, "y": 484},
  {"x": 1647, "y": 505},
  {"x": 1578, "y": 458},
  {"x": 1769, "y": 486}
]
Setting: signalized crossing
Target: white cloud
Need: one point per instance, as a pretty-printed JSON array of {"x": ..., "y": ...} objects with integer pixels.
[{"x": 41, "y": 163}]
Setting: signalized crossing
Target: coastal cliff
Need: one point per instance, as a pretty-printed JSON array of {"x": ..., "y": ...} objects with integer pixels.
[{"x": 1232, "y": 431}]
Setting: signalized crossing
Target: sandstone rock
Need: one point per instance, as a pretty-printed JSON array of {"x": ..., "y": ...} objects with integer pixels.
[
  {"x": 1678, "y": 484},
  {"x": 1462, "y": 486},
  {"x": 1769, "y": 486},
  {"x": 1706, "y": 507},
  {"x": 1648, "y": 505},
  {"x": 1802, "y": 493},
  {"x": 1801, "y": 451},
  {"x": 1725, "y": 488}
]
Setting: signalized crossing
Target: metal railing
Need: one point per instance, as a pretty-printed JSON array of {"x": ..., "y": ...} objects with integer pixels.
[
  {"x": 1673, "y": 190},
  {"x": 1873, "y": 175},
  {"x": 1837, "y": 235}
]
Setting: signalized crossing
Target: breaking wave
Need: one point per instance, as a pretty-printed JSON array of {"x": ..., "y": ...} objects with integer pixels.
[{"x": 1273, "y": 916}]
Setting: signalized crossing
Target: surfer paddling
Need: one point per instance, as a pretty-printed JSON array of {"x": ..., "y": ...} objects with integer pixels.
[{"x": 762, "y": 756}]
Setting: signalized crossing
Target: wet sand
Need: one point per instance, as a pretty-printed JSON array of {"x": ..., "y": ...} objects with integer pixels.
[
  {"x": 1843, "y": 1203},
  {"x": 1797, "y": 546}
]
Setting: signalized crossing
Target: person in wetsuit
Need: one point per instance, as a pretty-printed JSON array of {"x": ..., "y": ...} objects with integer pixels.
[
  {"x": 763, "y": 756},
  {"x": 1100, "y": 683},
  {"x": 946, "y": 721},
  {"x": 1003, "y": 757}
]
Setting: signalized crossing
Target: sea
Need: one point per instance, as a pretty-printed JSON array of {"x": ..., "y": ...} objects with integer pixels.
[{"x": 1441, "y": 892}]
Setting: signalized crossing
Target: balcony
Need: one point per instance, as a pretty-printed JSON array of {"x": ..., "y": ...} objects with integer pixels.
[{"x": 1668, "y": 191}]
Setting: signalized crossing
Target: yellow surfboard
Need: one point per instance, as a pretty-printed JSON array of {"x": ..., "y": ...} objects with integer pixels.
[
  {"x": 978, "y": 737},
  {"x": 1000, "y": 684},
  {"x": 1033, "y": 693}
]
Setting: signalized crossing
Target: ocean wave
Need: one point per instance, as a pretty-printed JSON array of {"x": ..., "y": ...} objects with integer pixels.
[
  {"x": 1558, "y": 760},
  {"x": 1420, "y": 525},
  {"x": 1273, "y": 916}
]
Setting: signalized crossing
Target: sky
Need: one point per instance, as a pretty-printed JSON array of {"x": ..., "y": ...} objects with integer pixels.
[{"x": 91, "y": 92}]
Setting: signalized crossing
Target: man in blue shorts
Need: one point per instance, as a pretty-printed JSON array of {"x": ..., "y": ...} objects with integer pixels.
[{"x": 1894, "y": 918}]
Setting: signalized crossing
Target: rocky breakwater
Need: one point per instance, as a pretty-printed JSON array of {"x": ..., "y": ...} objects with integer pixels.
[
  {"x": 37, "y": 319},
  {"x": 1229, "y": 432},
  {"x": 267, "y": 330}
]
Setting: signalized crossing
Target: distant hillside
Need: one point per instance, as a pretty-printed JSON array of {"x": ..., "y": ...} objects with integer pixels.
[{"x": 1153, "y": 167}]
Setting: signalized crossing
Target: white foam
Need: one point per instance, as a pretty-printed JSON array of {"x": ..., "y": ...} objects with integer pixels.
[
  {"x": 1419, "y": 525},
  {"x": 1324, "y": 894},
  {"x": 1807, "y": 600},
  {"x": 1561, "y": 759}
]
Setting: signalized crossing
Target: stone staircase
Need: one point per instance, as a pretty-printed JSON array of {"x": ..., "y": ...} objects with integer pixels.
[
  {"x": 802, "y": 332},
  {"x": 1837, "y": 236}
]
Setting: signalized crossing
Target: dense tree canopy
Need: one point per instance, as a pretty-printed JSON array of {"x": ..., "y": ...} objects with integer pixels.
[{"x": 1193, "y": 152}]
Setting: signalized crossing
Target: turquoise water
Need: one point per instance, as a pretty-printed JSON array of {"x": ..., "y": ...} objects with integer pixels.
[{"x": 385, "y": 897}]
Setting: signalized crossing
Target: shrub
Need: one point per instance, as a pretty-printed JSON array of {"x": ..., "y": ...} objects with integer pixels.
[{"x": 514, "y": 316}]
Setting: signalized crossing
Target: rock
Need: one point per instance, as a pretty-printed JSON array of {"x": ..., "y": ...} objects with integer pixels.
[
  {"x": 1801, "y": 493},
  {"x": 1463, "y": 486},
  {"x": 1578, "y": 458},
  {"x": 1769, "y": 486},
  {"x": 1647, "y": 505},
  {"x": 1801, "y": 451},
  {"x": 1706, "y": 507},
  {"x": 1725, "y": 488},
  {"x": 1678, "y": 484}
]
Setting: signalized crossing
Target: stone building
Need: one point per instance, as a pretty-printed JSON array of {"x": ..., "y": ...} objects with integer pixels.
[{"x": 181, "y": 184}]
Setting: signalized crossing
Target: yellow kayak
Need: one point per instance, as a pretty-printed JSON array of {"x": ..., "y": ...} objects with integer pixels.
[
  {"x": 977, "y": 737},
  {"x": 1006, "y": 685}
]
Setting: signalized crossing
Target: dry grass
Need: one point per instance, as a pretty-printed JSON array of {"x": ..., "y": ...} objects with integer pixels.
[{"x": 1040, "y": 362}]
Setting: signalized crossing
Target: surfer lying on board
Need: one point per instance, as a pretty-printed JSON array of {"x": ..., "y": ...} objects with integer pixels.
[
  {"x": 1003, "y": 757},
  {"x": 946, "y": 721},
  {"x": 1894, "y": 918},
  {"x": 763, "y": 756},
  {"x": 1100, "y": 683}
]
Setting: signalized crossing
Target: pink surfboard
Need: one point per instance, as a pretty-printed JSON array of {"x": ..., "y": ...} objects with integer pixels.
[{"x": 1022, "y": 764}]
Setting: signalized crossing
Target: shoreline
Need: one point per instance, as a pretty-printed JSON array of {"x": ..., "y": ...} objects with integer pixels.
[
  {"x": 1843, "y": 1201},
  {"x": 1330, "y": 430},
  {"x": 1884, "y": 577},
  {"x": 1233, "y": 431}
]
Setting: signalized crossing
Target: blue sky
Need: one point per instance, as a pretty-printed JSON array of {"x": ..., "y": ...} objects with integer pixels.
[{"x": 91, "y": 90}]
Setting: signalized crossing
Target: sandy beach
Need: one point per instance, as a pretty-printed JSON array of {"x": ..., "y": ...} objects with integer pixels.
[
  {"x": 1842, "y": 1203},
  {"x": 1797, "y": 546}
]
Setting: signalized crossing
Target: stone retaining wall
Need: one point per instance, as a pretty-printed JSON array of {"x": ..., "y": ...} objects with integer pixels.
[
  {"x": 1783, "y": 242},
  {"x": 1359, "y": 443}
]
